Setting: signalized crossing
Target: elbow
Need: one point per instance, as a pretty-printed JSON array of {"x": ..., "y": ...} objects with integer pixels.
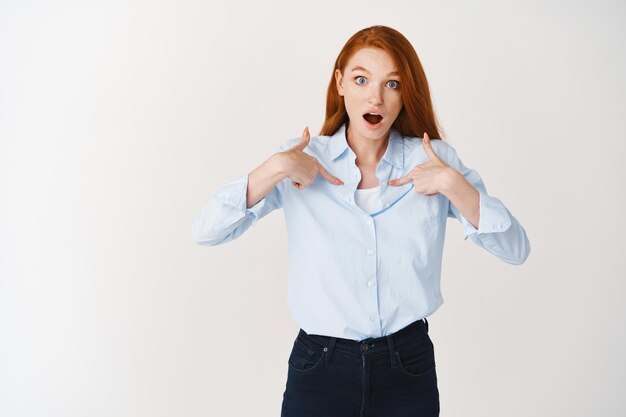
[
  {"x": 203, "y": 241},
  {"x": 201, "y": 237},
  {"x": 525, "y": 250},
  {"x": 209, "y": 240},
  {"x": 517, "y": 261},
  {"x": 522, "y": 253}
]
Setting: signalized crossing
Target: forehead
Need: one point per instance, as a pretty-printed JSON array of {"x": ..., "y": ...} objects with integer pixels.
[{"x": 372, "y": 59}]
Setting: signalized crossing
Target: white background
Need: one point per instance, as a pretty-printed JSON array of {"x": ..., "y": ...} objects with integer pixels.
[{"x": 119, "y": 119}]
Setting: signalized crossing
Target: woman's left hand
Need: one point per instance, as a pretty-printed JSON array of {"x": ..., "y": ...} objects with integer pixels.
[{"x": 429, "y": 178}]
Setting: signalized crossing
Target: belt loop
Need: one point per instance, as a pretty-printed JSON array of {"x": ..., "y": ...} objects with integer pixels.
[
  {"x": 392, "y": 350},
  {"x": 329, "y": 350}
]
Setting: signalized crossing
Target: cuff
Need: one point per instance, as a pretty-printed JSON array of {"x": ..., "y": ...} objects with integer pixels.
[
  {"x": 234, "y": 195},
  {"x": 493, "y": 217}
]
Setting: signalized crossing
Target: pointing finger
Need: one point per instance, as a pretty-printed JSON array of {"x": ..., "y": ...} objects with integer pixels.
[
  {"x": 332, "y": 179},
  {"x": 401, "y": 181}
]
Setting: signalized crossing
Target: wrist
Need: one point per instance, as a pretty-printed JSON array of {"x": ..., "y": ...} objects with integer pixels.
[
  {"x": 449, "y": 180},
  {"x": 277, "y": 166}
]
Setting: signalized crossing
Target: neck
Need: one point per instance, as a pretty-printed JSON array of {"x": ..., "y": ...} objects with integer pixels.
[{"x": 368, "y": 151}]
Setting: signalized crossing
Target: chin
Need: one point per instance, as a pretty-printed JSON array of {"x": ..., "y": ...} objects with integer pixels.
[{"x": 381, "y": 131}]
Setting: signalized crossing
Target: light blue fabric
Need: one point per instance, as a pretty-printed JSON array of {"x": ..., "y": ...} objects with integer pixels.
[{"x": 352, "y": 274}]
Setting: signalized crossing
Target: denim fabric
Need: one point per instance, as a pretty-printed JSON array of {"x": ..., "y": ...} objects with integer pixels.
[{"x": 388, "y": 376}]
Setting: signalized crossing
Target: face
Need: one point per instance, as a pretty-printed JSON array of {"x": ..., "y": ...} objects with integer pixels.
[{"x": 370, "y": 84}]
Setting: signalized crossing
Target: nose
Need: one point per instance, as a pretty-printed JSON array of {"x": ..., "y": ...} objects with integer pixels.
[{"x": 375, "y": 96}]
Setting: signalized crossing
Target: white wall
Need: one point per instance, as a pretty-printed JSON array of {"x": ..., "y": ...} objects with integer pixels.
[{"x": 119, "y": 119}]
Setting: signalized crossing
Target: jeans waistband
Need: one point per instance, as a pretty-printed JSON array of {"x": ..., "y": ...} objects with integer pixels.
[{"x": 373, "y": 347}]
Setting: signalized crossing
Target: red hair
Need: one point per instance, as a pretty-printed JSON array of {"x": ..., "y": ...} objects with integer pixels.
[{"x": 417, "y": 115}]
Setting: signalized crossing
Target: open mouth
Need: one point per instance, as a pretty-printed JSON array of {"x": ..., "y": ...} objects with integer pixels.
[{"x": 373, "y": 118}]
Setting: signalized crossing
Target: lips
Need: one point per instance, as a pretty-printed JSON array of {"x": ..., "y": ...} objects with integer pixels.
[{"x": 373, "y": 117}]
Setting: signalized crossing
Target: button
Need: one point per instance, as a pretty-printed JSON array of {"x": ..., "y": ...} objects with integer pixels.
[
  {"x": 370, "y": 252},
  {"x": 372, "y": 317},
  {"x": 370, "y": 284},
  {"x": 386, "y": 204},
  {"x": 366, "y": 346},
  {"x": 369, "y": 221},
  {"x": 241, "y": 213}
]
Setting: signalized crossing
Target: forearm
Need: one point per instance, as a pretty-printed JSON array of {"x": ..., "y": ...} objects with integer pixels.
[
  {"x": 263, "y": 178},
  {"x": 463, "y": 195}
]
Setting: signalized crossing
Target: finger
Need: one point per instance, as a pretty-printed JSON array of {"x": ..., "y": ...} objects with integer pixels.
[
  {"x": 306, "y": 136},
  {"x": 400, "y": 181},
  {"x": 331, "y": 178},
  {"x": 428, "y": 147}
]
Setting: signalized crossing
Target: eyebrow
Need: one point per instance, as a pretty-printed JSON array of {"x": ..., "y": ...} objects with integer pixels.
[{"x": 358, "y": 67}]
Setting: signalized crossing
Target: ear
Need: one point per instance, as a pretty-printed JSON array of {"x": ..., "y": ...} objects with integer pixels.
[{"x": 339, "y": 82}]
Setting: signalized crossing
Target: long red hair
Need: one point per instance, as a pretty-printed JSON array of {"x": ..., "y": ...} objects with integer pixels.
[{"x": 417, "y": 115}]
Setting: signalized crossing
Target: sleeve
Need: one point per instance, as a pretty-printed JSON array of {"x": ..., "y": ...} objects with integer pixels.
[
  {"x": 499, "y": 232},
  {"x": 225, "y": 216}
]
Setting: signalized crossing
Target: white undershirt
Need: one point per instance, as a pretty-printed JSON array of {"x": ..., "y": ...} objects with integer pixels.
[{"x": 368, "y": 199}]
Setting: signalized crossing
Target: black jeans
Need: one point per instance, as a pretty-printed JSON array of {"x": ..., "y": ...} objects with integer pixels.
[{"x": 389, "y": 376}]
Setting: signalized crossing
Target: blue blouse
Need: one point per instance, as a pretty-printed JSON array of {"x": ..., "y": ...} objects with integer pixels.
[{"x": 354, "y": 274}]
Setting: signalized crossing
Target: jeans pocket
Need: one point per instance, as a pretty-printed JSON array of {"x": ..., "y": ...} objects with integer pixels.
[
  {"x": 304, "y": 357},
  {"x": 417, "y": 359}
]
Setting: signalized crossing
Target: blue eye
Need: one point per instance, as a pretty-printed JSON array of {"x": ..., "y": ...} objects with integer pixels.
[{"x": 394, "y": 84}]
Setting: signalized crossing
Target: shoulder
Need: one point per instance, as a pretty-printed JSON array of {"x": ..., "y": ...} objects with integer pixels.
[
  {"x": 289, "y": 143},
  {"x": 414, "y": 149},
  {"x": 318, "y": 145}
]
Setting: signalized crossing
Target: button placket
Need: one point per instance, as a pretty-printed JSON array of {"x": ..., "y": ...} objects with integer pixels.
[{"x": 370, "y": 278}]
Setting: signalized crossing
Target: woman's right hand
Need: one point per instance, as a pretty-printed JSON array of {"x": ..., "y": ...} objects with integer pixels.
[{"x": 301, "y": 167}]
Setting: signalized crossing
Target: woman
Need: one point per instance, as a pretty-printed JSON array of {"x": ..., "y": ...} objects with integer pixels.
[{"x": 366, "y": 205}]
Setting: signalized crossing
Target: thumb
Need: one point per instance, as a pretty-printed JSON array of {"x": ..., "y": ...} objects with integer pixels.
[
  {"x": 306, "y": 136},
  {"x": 428, "y": 147}
]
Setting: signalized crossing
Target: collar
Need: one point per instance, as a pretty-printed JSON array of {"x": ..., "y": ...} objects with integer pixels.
[{"x": 393, "y": 155}]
